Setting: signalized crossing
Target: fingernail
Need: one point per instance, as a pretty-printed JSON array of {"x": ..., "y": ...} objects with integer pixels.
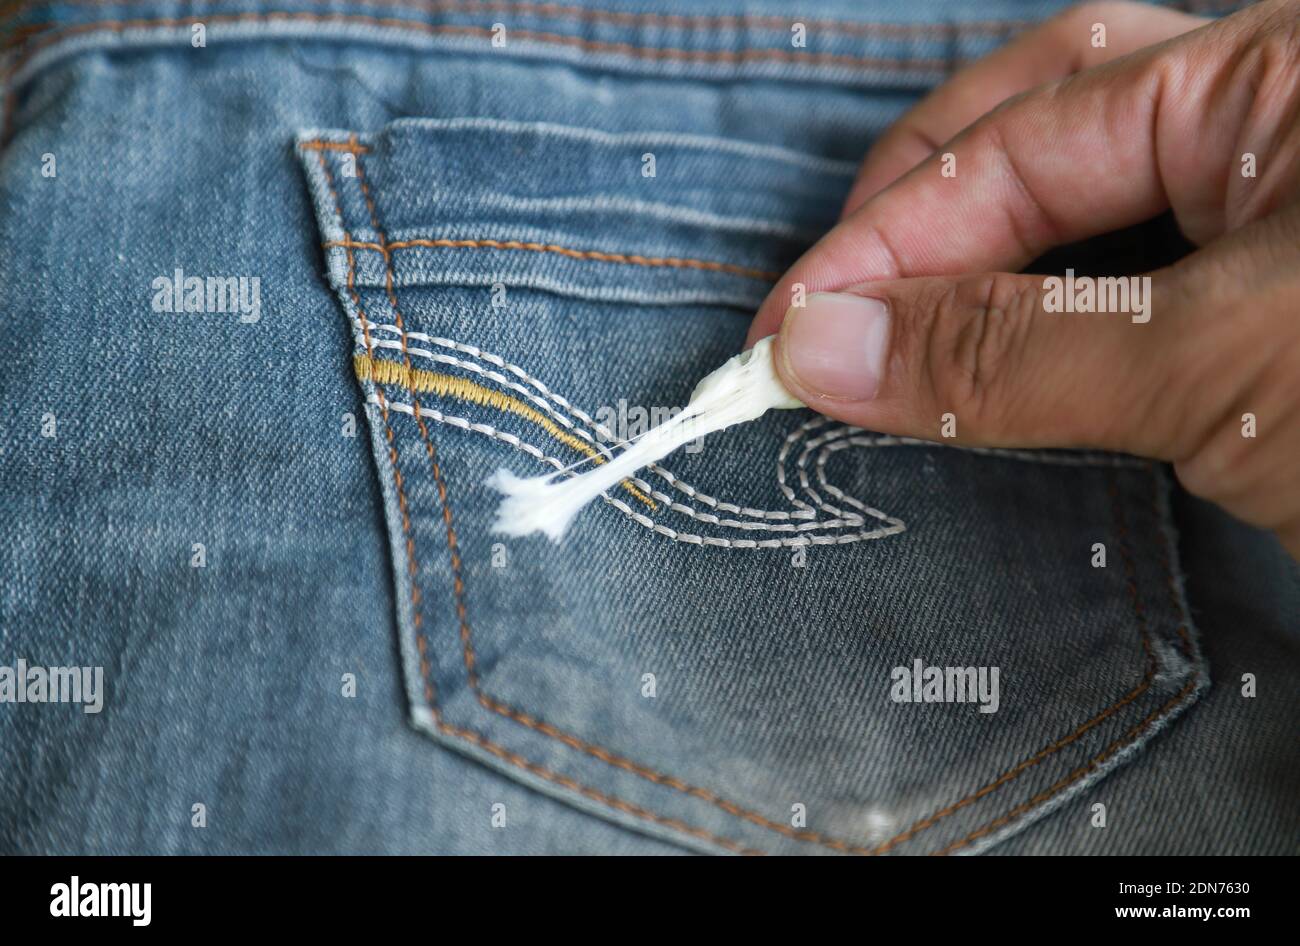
[{"x": 836, "y": 344}]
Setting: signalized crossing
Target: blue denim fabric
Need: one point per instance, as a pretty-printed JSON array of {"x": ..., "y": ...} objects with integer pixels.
[{"x": 471, "y": 230}]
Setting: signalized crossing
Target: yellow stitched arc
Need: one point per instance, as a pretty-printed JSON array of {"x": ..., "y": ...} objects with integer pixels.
[{"x": 383, "y": 371}]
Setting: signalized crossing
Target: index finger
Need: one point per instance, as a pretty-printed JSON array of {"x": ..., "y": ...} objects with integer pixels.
[
  {"x": 1056, "y": 48},
  {"x": 1073, "y": 159}
]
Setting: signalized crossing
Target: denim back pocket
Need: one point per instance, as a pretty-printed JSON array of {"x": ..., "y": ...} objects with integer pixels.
[{"x": 793, "y": 637}]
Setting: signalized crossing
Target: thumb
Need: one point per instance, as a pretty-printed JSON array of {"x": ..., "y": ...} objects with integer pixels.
[{"x": 992, "y": 360}]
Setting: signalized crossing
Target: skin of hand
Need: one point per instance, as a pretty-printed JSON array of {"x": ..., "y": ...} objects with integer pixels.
[{"x": 911, "y": 309}]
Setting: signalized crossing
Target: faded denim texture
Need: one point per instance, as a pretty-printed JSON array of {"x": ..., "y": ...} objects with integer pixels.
[{"x": 458, "y": 246}]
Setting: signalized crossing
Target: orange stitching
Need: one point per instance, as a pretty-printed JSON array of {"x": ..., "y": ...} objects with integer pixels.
[
  {"x": 388, "y": 285},
  {"x": 554, "y": 39},
  {"x": 677, "y": 784},
  {"x": 630, "y": 258},
  {"x": 1170, "y": 581},
  {"x": 383, "y": 407},
  {"x": 1074, "y": 776},
  {"x": 1054, "y": 747},
  {"x": 429, "y": 692},
  {"x": 1137, "y": 730},
  {"x": 610, "y": 800},
  {"x": 1014, "y": 773},
  {"x": 995, "y": 28},
  {"x": 1130, "y": 573},
  {"x": 21, "y": 33},
  {"x": 353, "y": 147},
  {"x": 882, "y": 64},
  {"x": 13, "y": 9},
  {"x": 417, "y": 617},
  {"x": 491, "y": 703},
  {"x": 712, "y": 22},
  {"x": 558, "y": 11}
]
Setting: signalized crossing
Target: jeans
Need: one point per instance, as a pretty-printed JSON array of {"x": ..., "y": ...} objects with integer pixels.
[{"x": 301, "y": 280}]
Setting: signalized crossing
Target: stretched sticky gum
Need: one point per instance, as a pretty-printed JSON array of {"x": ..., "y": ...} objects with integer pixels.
[{"x": 742, "y": 389}]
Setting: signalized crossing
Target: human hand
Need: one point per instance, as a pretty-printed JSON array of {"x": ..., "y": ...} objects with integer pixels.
[{"x": 911, "y": 310}]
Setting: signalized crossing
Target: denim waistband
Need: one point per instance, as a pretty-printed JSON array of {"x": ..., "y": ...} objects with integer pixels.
[{"x": 900, "y": 43}]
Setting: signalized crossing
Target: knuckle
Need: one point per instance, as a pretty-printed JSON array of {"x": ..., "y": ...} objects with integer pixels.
[
  {"x": 978, "y": 330},
  {"x": 1279, "y": 16},
  {"x": 1240, "y": 450},
  {"x": 1264, "y": 66},
  {"x": 1271, "y": 60}
]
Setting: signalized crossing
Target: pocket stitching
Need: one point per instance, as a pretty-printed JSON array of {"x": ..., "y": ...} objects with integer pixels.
[
  {"x": 615, "y": 760},
  {"x": 893, "y": 527},
  {"x": 417, "y": 617},
  {"x": 600, "y": 256},
  {"x": 492, "y": 703},
  {"x": 837, "y": 439},
  {"x": 384, "y": 371},
  {"x": 1193, "y": 682}
]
